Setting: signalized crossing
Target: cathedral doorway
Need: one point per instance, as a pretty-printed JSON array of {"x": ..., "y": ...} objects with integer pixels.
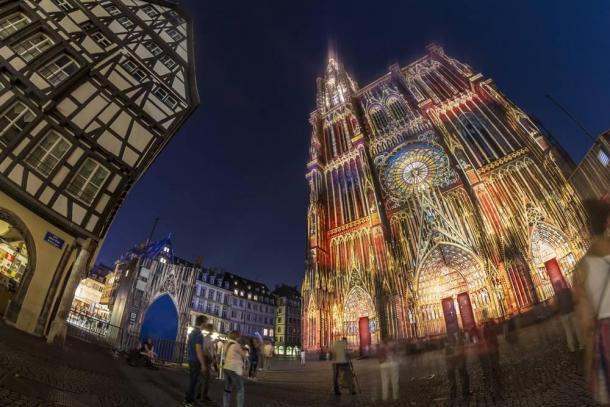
[
  {"x": 553, "y": 260},
  {"x": 451, "y": 290},
  {"x": 360, "y": 320}
]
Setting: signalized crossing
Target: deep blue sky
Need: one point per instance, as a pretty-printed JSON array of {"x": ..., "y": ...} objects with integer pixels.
[{"x": 230, "y": 186}]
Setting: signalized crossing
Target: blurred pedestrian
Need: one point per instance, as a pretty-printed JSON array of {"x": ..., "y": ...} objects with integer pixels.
[
  {"x": 303, "y": 356},
  {"x": 489, "y": 355},
  {"x": 267, "y": 355},
  {"x": 341, "y": 367},
  {"x": 208, "y": 359},
  {"x": 254, "y": 357},
  {"x": 196, "y": 360},
  {"x": 389, "y": 370},
  {"x": 565, "y": 305},
  {"x": 591, "y": 281},
  {"x": 233, "y": 369},
  {"x": 455, "y": 360}
]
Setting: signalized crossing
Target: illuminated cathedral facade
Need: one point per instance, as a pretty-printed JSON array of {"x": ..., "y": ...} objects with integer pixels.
[{"x": 435, "y": 202}]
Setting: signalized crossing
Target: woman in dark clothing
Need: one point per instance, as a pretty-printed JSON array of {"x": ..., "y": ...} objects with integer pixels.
[{"x": 253, "y": 359}]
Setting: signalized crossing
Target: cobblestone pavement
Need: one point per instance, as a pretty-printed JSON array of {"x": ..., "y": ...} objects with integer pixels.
[
  {"x": 33, "y": 373},
  {"x": 537, "y": 372}
]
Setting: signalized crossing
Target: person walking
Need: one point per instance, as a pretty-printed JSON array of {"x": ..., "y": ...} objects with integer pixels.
[
  {"x": 233, "y": 369},
  {"x": 455, "y": 360},
  {"x": 196, "y": 360},
  {"x": 208, "y": 358},
  {"x": 341, "y": 367},
  {"x": 389, "y": 370},
  {"x": 592, "y": 295},
  {"x": 254, "y": 356},
  {"x": 489, "y": 355},
  {"x": 565, "y": 304},
  {"x": 268, "y": 354},
  {"x": 303, "y": 357}
]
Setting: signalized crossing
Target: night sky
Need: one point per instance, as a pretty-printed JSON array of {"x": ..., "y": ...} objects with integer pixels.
[{"x": 230, "y": 186}]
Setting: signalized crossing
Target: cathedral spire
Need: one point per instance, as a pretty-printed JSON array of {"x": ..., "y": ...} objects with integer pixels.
[{"x": 336, "y": 87}]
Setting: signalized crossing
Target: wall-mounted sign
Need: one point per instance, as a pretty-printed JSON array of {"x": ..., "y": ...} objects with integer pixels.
[{"x": 54, "y": 240}]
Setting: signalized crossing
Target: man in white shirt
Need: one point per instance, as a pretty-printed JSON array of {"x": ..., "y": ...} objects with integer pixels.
[{"x": 233, "y": 365}]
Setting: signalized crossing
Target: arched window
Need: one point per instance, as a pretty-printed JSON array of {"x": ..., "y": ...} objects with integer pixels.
[
  {"x": 476, "y": 134},
  {"x": 379, "y": 119},
  {"x": 397, "y": 108}
]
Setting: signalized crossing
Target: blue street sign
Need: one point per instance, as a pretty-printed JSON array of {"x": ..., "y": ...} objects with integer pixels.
[{"x": 54, "y": 240}]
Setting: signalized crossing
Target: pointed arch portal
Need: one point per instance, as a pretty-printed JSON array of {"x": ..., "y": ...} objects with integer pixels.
[
  {"x": 451, "y": 289},
  {"x": 360, "y": 322},
  {"x": 553, "y": 259},
  {"x": 161, "y": 325}
]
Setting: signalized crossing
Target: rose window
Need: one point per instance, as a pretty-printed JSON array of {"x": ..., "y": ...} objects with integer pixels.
[{"x": 414, "y": 167}]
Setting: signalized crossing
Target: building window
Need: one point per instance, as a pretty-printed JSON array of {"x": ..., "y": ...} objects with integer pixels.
[
  {"x": 88, "y": 181},
  {"x": 134, "y": 70},
  {"x": 174, "y": 34},
  {"x": 167, "y": 61},
  {"x": 150, "y": 11},
  {"x": 603, "y": 158},
  {"x": 163, "y": 260},
  {"x": 59, "y": 69},
  {"x": 101, "y": 39},
  {"x": 125, "y": 22},
  {"x": 87, "y": 26},
  {"x": 12, "y": 23},
  {"x": 165, "y": 97},
  {"x": 31, "y": 47},
  {"x": 112, "y": 10},
  {"x": 48, "y": 153},
  {"x": 153, "y": 48},
  {"x": 397, "y": 109},
  {"x": 64, "y": 5},
  {"x": 13, "y": 120}
]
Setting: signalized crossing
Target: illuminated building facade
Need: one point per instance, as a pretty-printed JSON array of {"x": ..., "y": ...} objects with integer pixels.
[
  {"x": 434, "y": 201},
  {"x": 90, "y": 93},
  {"x": 144, "y": 275},
  {"x": 591, "y": 179},
  {"x": 287, "y": 321}
]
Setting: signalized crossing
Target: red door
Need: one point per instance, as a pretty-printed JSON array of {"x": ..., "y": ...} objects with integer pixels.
[
  {"x": 555, "y": 274},
  {"x": 365, "y": 335},
  {"x": 451, "y": 321},
  {"x": 466, "y": 313}
]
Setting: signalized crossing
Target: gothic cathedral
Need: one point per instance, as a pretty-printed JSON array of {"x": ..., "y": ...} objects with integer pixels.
[{"x": 435, "y": 203}]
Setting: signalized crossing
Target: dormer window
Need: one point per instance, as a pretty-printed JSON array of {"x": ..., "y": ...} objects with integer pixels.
[
  {"x": 174, "y": 34},
  {"x": 163, "y": 260}
]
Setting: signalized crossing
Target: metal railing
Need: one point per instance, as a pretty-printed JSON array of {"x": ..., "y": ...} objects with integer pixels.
[
  {"x": 166, "y": 350},
  {"x": 93, "y": 329}
]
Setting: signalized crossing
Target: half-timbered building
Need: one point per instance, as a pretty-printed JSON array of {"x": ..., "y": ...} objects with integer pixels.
[{"x": 90, "y": 93}]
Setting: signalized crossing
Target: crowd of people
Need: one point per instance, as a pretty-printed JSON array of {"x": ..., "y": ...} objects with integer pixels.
[{"x": 228, "y": 360}]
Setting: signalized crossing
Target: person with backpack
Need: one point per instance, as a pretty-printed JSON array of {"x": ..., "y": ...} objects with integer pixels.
[
  {"x": 197, "y": 365},
  {"x": 592, "y": 296},
  {"x": 232, "y": 366}
]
